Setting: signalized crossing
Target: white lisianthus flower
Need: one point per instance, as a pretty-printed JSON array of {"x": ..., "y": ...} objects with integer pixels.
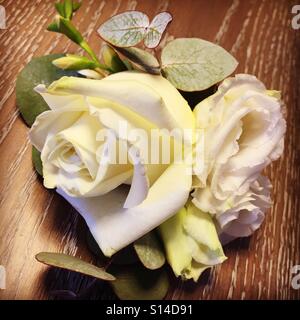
[
  {"x": 191, "y": 242},
  {"x": 119, "y": 201},
  {"x": 243, "y": 130}
]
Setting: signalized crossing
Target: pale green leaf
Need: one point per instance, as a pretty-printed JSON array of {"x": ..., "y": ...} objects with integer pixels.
[
  {"x": 150, "y": 251},
  {"x": 156, "y": 29},
  {"x": 64, "y": 261},
  {"x": 192, "y": 64},
  {"x": 125, "y": 29}
]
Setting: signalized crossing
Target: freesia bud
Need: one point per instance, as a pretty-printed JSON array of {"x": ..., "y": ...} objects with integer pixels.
[
  {"x": 191, "y": 242},
  {"x": 73, "y": 62}
]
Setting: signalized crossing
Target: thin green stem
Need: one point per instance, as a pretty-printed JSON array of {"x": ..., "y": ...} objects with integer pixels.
[{"x": 85, "y": 46}]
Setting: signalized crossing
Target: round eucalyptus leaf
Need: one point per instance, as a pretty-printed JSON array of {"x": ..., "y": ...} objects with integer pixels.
[
  {"x": 141, "y": 59},
  {"x": 150, "y": 251},
  {"x": 138, "y": 283},
  {"x": 64, "y": 261},
  {"x": 36, "y": 160},
  {"x": 38, "y": 70},
  {"x": 125, "y": 29},
  {"x": 192, "y": 64}
]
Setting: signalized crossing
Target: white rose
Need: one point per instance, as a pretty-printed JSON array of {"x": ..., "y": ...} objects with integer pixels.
[
  {"x": 243, "y": 130},
  {"x": 70, "y": 138}
]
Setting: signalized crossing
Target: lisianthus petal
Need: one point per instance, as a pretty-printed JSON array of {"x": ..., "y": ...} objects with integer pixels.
[
  {"x": 206, "y": 247},
  {"x": 191, "y": 242},
  {"x": 175, "y": 242},
  {"x": 114, "y": 226},
  {"x": 244, "y": 218}
]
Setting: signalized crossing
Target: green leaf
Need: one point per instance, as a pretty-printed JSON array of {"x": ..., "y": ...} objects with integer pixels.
[
  {"x": 38, "y": 70},
  {"x": 36, "y": 160},
  {"x": 150, "y": 251},
  {"x": 137, "y": 283},
  {"x": 141, "y": 59},
  {"x": 156, "y": 29},
  {"x": 192, "y": 64},
  {"x": 64, "y": 261},
  {"x": 125, "y": 29}
]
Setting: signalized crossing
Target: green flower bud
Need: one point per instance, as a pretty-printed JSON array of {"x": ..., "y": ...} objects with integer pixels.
[
  {"x": 68, "y": 8},
  {"x": 73, "y": 62}
]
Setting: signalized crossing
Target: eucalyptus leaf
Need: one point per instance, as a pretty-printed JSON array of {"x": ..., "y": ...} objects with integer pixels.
[
  {"x": 137, "y": 283},
  {"x": 36, "y": 160},
  {"x": 141, "y": 59},
  {"x": 125, "y": 29},
  {"x": 156, "y": 29},
  {"x": 64, "y": 261},
  {"x": 150, "y": 251},
  {"x": 38, "y": 70},
  {"x": 192, "y": 64}
]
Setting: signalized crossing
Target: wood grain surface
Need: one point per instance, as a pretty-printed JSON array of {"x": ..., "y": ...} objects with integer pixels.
[{"x": 32, "y": 219}]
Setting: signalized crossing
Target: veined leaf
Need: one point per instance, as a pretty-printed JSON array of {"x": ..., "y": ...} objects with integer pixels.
[
  {"x": 125, "y": 29},
  {"x": 192, "y": 64},
  {"x": 156, "y": 29},
  {"x": 150, "y": 251},
  {"x": 141, "y": 59},
  {"x": 64, "y": 261}
]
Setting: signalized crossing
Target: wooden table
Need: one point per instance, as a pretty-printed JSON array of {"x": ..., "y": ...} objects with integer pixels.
[{"x": 32, "y": 219}]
